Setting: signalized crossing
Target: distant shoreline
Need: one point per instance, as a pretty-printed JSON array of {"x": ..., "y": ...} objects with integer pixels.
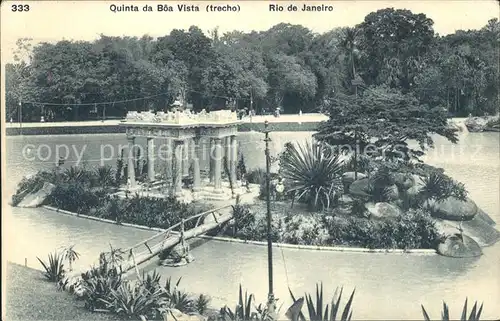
[
  {"x": 306, "y": 122},
  {"x": 284, "y": 123}
]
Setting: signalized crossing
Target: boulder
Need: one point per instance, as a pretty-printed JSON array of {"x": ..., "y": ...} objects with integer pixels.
[
  {"x": 345, "y": 199},
  {"x": 484, "y": 217},
  {"x": 393, "y": 193},
  {"x": 382, "y": 210},
  {"x": 477, "y": 229},
  {"x": 479, "y": 124},
  {"x": 452, "y": 209},
  {"x": 37, "y": 198},
  {"x": 459, "y": 246},
  {"x": 176, "y": 315},
  {"x": 359, "y": 187},
  {"x": 404, "y": 180},
  {"x": 348, "y": 178}
]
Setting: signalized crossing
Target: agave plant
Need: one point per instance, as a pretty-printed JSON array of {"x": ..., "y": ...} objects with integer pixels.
[
  {"x": 177, "y": 299},
  {"x": 201, "y": 303},
  {"x": 73, "y": 174},
  {"x": 134, "y": 301},
  {"x": 151, "y": 281},
  {"x": 320, "y": 312},
  {"x": 54, "y": 269},
  {"x": 312, "y": 173},
  {"x": 474, "y": 315},
  {"x": 104, "y": 176},
  {"x": 438, "y": 186},
  {"x": 71, "y": 255},
  {"x": 242, "y": 312}
]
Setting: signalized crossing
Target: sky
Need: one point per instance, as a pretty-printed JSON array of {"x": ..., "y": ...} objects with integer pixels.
[{"x": 85, "y": 20}]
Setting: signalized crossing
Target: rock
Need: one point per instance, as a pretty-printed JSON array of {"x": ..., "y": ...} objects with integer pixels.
[
  {"x": 485, "y": 217},
  {"x": 348, "y": 178},
  {"x": 176, "y": 315},
  {"x": 480, "y": 124},
  {"x": 393, "y": 193},
  {"x": 359, "y": 187},
  {"x": 452, "y": 209},
  {"x": 477, "y": 229},
  {"x": 403, "y": 180},
  {"x": 345, "y": 199},
  {"x": 459, "y": 246},
  {"x": 383, "y": 210},
  {"x": 36, "y": 199}
]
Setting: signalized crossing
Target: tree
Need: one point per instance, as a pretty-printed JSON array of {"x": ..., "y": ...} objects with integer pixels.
[
  {"x": 381, "y": 121},
  {"x": 392, "y": 41}
]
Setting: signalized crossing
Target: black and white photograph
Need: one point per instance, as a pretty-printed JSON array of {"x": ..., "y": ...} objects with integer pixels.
[{"x": 250, "y": 160}]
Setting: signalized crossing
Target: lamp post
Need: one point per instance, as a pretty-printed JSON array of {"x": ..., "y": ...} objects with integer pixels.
[
  {"x": 20, "y": 117},
  {"x": 271, "y": 302}
]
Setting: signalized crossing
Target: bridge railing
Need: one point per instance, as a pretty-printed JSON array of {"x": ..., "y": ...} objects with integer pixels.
[{"x": 155, "y": 242}]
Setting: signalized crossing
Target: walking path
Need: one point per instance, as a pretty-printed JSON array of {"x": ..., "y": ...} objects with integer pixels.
[{"x": 304, "y": 118}]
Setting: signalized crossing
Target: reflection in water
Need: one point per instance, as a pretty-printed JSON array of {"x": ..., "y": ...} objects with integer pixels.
[{"x": 388, "y": 286}]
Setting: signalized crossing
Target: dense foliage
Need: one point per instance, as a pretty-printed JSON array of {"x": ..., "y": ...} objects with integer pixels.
[
  {"x": 414, "y": 230},
  {"x": 90, "y": 191},
  {"x": 288, "y": 66}
]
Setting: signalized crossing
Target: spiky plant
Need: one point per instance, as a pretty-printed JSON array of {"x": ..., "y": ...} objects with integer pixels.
[
  {"x": 104, "y": 176},
  {"x": 54, "y": 268},
  {"x": 201, "y": 303},
  {"x": 319, "y": 312},
  {"x": 474, "y": 315},
  {"x": 312, "y": 173},
  {"x": 243, "y": 310}
]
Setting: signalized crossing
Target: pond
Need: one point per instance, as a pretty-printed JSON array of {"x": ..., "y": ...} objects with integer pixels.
[{"x": 388, "y": 286}]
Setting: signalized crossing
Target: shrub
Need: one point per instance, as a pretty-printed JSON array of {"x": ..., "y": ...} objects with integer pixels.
[
  {"x": 415, "y": 229},
  {"x": 304, "y": 229},
  {"x": 75, "y": 197}
]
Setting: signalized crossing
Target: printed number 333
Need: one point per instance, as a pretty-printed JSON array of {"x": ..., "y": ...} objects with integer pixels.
[{"x": 20, "y": 7}]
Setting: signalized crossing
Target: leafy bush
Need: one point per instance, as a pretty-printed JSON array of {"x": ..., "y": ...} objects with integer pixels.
[
  {"x": 312, "y": 173},
  {"x": 415, "y": 229},
  {"x": 304, "y": 229},
  {"x": 256, "y": 176},
  {"x": 75, "y": 197},
  {"x": 242, "y": 217},
  {"x": 54, "y": 268}
]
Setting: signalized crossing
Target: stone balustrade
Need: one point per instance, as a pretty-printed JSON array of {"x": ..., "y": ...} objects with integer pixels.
[{"x": 183, "y": 117}]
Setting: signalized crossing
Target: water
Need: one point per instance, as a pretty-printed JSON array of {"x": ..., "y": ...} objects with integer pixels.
[{"x": 388, "y": 286}]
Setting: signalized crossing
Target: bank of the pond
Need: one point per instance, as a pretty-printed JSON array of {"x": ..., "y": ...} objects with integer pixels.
[
  {"x": 30, "y": 297},
  {"x": 258, "y": 243},
  {"x": 304, "y": 123}
]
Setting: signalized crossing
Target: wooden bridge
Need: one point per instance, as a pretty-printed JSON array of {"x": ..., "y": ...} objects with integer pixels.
[{"x": 147, "y": 249}]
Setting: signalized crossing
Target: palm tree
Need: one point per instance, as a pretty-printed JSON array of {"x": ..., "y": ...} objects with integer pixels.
[{"x": 71, "y": 255}]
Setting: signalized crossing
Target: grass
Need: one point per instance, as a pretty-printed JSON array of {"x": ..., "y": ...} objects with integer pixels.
[{"x": 31, "y": 297}]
